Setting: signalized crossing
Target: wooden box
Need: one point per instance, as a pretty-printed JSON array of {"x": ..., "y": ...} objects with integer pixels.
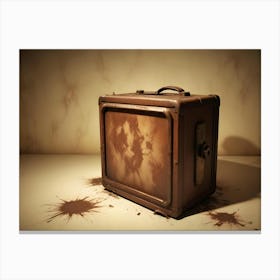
[{"x": 159, "y": 149}]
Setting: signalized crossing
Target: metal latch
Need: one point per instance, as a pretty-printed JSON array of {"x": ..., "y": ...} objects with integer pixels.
[{"x": 202, "y": 152}]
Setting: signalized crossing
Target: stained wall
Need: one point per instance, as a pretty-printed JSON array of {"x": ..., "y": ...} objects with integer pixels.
[{"x": 59, "y": 92}]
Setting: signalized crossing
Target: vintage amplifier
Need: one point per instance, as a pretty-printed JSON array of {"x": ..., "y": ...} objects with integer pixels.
[{"x": 159, "y": 149}]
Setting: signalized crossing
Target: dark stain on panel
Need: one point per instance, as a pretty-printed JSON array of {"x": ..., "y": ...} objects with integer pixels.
[
  {"x": 136, "y": 148},
  {"x": 132, "y": 163}
]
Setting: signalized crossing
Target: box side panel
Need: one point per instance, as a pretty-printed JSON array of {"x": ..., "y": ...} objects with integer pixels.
[
  {"x": 199, "y": 167},
  {"x": 102, "y": 139}
]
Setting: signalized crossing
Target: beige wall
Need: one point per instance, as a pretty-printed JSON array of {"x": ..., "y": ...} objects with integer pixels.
[{"x": 59, "y": 92}]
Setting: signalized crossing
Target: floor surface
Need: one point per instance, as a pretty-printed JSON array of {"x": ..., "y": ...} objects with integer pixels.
[{"x": 64, "y": 193}]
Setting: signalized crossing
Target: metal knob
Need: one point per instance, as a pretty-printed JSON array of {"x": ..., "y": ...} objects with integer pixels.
[{"x": 204, "y": 150}]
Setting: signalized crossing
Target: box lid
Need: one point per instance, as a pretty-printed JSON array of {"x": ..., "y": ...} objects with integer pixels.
[{"x": 158, "y": 98}]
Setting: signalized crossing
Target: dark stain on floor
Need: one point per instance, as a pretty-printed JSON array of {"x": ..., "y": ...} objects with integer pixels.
[
  {"x": 69, "y": 208},
  {"x": 226, "y": 218},
  {"x": 94, "y": 181}
]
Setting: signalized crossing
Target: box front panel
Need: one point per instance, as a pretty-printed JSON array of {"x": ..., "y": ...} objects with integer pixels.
[{"x": 138, "y": 152}]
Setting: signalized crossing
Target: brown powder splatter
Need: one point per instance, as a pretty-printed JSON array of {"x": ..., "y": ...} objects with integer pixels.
[
  {"x": 74, "y": 207},
  {"x": 225, "y": 218},
  {"x": 94, "y": 181}
]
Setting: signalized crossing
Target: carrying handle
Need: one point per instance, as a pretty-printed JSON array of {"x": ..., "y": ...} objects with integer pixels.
[{"x": 175, "y": 88}]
